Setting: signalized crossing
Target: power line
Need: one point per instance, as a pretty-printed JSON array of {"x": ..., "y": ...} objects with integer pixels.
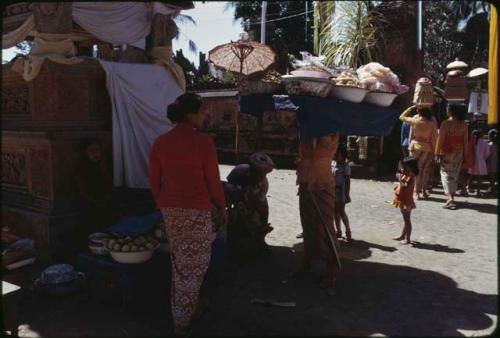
[{"x": 284, "y": 18}]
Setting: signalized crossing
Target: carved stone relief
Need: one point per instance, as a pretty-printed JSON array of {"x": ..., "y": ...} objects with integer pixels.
[
  {"x": 17, "y": 9},
  {"x": 40, "y": 172},
  {"x": 15, "y": 101},
  {"x": 14, "y": 170}
]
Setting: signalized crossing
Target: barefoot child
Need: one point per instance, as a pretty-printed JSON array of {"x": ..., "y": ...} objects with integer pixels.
[
  {"x": 403, "y": 196},
  {"x": 342, "y": 172}
]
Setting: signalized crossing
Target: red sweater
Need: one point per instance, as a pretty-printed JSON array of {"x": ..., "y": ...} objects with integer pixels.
[{"x": 183, "y": 170}]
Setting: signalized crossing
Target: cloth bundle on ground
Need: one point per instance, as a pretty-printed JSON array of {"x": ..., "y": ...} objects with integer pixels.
[
  {"x": 376, "y": 77},
  {"x": 140, "y": 94},
  {"x": 319, "y": 117}
]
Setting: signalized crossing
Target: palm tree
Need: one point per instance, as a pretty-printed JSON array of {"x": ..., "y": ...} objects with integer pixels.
[
  {"x": 352, "y": 35},
  {"x": 183, "y": 18},
  {"x": 323, "y": 12}
]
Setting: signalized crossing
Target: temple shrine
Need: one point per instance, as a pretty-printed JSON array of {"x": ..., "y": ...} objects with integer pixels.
[{"x": 57, "y": 96}]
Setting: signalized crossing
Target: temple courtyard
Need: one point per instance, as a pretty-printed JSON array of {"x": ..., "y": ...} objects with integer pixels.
[{"x": 445, "y": 284}]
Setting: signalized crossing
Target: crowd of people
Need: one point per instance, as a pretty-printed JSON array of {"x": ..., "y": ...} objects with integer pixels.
[
  {"x": 464, "y": 157},
  {"x": 196, "y": 204}
]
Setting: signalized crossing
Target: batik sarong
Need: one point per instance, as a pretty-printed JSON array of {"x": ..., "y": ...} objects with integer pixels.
[
  {"x": 190, "y": 234},
  {"x": 450, "y": 171}
]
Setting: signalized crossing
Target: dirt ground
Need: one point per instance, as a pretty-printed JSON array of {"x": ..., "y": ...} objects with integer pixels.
[{"x": 446, "y": 284}]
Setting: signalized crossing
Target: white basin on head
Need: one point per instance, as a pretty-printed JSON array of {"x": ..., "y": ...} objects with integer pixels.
[
  {"x": 380, "y": 98},
  {"x": 348, "y": 93}
]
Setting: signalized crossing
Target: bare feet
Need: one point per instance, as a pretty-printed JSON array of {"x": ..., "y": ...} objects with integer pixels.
[
  {"x": 405, "y": 242},
  {"x": 398, "y": 238}
]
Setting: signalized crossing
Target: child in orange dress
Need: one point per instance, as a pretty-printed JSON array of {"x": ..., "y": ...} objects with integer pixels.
[{"x": 403, "y": 195}]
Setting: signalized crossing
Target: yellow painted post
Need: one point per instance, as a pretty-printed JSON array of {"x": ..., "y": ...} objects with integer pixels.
[{"x": 493, "y": 68}]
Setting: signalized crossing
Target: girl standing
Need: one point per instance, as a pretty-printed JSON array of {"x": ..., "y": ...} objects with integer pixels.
[
  {"x": 403, "y": 196},
  {"x": 480, "y": 152},
  {"x": 342, "y": 171},
  {"x": 493, "y": 159}
]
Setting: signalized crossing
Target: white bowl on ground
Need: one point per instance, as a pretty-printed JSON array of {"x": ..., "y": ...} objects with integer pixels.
[
  {"x": 348, "y": 93},
  {"x": 380, "y": 98},
  {"x": 135, "y": 257}
]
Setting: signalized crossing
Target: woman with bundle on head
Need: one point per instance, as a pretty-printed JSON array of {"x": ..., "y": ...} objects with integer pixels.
[
  {"x": 316, "y": 183},
  {"x": 185, "y": 183},
  {"x": 451, "y": 149},
  {"x": 422, "y": 144}
]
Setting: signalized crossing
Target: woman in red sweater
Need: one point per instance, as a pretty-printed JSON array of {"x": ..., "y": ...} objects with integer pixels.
[{"x": 185, "y": 183}]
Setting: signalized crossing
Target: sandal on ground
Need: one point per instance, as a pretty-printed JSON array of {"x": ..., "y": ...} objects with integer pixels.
[{"x": 450, "y": 206}]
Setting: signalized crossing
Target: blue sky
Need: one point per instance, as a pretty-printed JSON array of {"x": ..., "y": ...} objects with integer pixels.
[{"x": 214, "y": 27}]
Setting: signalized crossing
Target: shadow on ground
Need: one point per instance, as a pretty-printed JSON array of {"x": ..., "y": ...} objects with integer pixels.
[
  {"x": 372, "y": 298},
  {"x": 435, "y": 247},
  {"x": 480, "y": 207}
]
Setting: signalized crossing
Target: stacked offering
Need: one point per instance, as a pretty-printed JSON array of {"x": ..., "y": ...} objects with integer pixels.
[
  {"x": 383, "y": 84},
  {"x": 270, "y": 83}
]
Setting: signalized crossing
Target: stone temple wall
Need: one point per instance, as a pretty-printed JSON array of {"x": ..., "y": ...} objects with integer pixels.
[{"x": 43, "y": 123}]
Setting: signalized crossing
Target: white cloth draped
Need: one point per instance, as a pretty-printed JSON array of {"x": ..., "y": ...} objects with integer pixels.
[
  {"x": 140, "y": 94},
  {"x": 115, "y": 22},
  {"x": 478, "y": 102}
]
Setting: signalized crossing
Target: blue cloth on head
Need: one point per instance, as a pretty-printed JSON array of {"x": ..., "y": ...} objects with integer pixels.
[{"x": 319, "y": 116}]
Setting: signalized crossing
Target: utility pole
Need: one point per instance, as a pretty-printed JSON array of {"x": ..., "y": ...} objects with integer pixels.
[
  {"x": 419, "y": 26},
  {"x": 263, "y": 22},
  {"x": 307, "y": 19}
]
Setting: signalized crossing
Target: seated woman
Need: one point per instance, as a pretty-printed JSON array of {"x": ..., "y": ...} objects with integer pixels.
[
  {"x": 248, "y": 207},
  {"x": 92, "y": 186}
]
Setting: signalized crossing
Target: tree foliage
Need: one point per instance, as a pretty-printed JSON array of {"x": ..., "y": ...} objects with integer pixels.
[
  {"x": 353, "y": 35},
  {"x": 286, "y": 35},
  {"x": 454, "y": 29}
]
